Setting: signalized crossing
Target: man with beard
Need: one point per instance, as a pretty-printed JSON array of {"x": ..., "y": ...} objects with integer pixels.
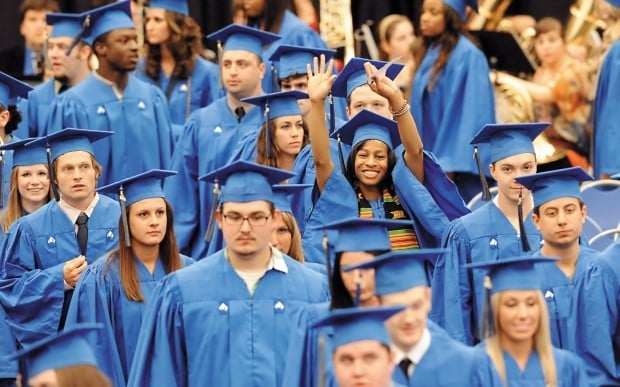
[
  {"x": 68, "y": 68},
  {"x": 111, "y": 98}
]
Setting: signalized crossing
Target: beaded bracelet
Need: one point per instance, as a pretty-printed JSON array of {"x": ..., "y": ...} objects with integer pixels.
[{"x": 404, "y": 109}]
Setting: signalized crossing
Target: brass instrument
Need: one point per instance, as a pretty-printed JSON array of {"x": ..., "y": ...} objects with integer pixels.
[
  {"x": 490, "y": 13},
  {"x": 336, "y": 26},
  {"x": 582, "y": 23}
]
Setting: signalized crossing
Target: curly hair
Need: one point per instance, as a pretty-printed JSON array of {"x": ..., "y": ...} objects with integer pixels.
[
  {"x": 14, "y": 120},
  {"x": 185, "y": 44}
]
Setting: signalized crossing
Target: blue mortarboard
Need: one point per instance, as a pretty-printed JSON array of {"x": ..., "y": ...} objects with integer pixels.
[
  {"x": 11, "y": 88},
  {"x": 460, "y": 6},
  {"x": 561, "y": 183},
  {"x": 26, "y": 155},
  {"x": 363, "y": 234},
  {"x": 145, "y": 185},
  {"x": 367, "y": 125},
  {"x": 64, "y": 349},
  {"x": 178, "y": 6},
  {"x": 615, "y": 177},
  {"x": 615, "y": 3},
  {"x": 71, "y": 140},
  {"x": 282, "y": 103},
  {"x": 244, "y": 181},
  {"x": 65, "y": 24},
  {"x": 282, "y": 194},
  {"x": 358, "y": 324},
  {"x": 514, "y": 273},
  {"x": 107, "y": 18},
  {"x": 396, "y": 271},
  {"x": 507, "y": 140},
  {"x": 244, "y": 38},
  {"x": 353, "y": 75},
  {"x": 293, "y": 60}
]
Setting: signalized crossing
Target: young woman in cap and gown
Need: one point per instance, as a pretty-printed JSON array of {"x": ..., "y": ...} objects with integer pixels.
[
  {"x": 173, "y": 61},
  {"x": 383, "y": 179},
  {"x": 115, "y": 290},
  {"x": 451, "y": 96},
  {"x": 517, "y": 327}
]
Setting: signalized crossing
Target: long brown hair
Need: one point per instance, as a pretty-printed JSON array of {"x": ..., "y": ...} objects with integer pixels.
[
  {"x": 168, "y": 253},
  {"x": 82, "y": 375},
  {"x": 261, "y": 145},
  {"x": 271, "y": 17},
  {"x": 185, "y": 45},
  {"x": 295, "y": 251},
  {"x": 15, "y": 210}
]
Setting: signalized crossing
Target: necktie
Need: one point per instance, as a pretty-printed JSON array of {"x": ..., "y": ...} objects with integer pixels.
[
  {"x": 406, "y": 365},
  {"x": 240, "y": 112},
  {"x": 82, "y": 232},
  {"x": 63, "y": 87}
]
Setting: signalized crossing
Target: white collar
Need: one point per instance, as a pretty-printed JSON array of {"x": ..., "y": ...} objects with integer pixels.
[
  {"x": 108, "y": 82},
  {"x": 73, "y": 212},
  {"x": 417, "y": 352}
]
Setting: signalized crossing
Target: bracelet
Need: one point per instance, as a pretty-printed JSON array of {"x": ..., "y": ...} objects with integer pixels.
[{"x": 403, "y": 109}]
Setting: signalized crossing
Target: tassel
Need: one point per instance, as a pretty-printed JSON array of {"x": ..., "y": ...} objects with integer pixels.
[
  {"x": 214, "y": 203},
  {"x": 274, "y": 79},
  {"x": 486, "y": 194},
  {"x": 220, "y": 52},
  {"x": 1, "y": 179},
  {"x": 52, "y": 176},
  {"x": 321, "y": 360},
  {"x": 487, "y": 328},
  {"x": 123, "y": 200},
  {"x": 328, "y": 264},
  {"x": 525, "y": 243},
  {"x": 332, "y": 114},
  {"x": 76, "y": 40},
  {"x": 341, "y": 156},
  {"x": 267, "y": 132}
]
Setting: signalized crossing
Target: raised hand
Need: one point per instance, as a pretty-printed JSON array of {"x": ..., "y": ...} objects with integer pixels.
[
  {"x": 320, "y": 78},
  {"x": 382, "y": 85}
]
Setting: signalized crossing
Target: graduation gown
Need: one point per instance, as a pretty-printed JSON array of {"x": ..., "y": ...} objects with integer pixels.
[
  {"x": 430, "y": 206},
  {"x": 458, "y": 293},
  {"x": 6, "y": 169},
  {"x": 39, "y": 101},
  {"x": 142, "y": 138},
  {"x": 34, "y": 253},
  {"x": 186, "y": 95},
  {"x": 611, "y": 257},
  {"x": 8, "y": 347},
  {"x": 99, "y": 297},
  {"x": 461, "y": 102},
  {"x": 206, "y": 329},
  {"x": 209, "y": 138},
  {"x": 606, "y": 135}
]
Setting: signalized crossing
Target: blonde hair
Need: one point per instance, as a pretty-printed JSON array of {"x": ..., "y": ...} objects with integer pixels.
[
  {"x": 386, "y": 29},
  {"x": 14, "y": 209},
  {"x": 541, "y": 342},
  {"x": 295, "y": 251}
]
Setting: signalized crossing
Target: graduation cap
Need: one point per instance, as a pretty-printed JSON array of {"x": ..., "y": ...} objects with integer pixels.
[
  {"x": 561, "y": 183},
  {"x": 64, "y": 349},
  {"x": 104, "y": 19},
  {"x": 242, "y": 182},
  {"x": 363, "y": 234},
  {"x": 22, "y": 156},
  {"x": 65, "y": 141},
  {"x": 275, "y": 105},
  {"x": 244, "y": 38},
  {"x": 504, "y": 53},
  {"x": 615, "y": 177},
  {"x": 358, "y": 324},
  {"x": 282, "y": 194},
  {"x": 397, "y": 271},
  {"x": 460, "y": 6},
  {"x": 367, "y": 125},
  {"x": 353, "y": 75},
  {"x": 615, "y": 3},
  {"x": 11, "y": 88},
  {"x": 178, "y": 6},
  {"x": 65, "y": 24},
  {"x": 145, "y": 185},
  {"x": 293, "y": 60}
]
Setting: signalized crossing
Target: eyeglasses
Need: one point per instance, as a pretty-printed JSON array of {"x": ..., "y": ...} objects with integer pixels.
[{"x": 255, "y": 220}]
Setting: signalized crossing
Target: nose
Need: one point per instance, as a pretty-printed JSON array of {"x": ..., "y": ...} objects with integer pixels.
[{"x": 245, "y": 225}]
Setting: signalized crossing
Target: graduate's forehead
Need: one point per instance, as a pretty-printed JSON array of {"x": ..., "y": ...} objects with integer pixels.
[
  {"x": 240, "y": 55},
  {"x": 246, "y": 208},
  {"x": 361, "y": 348},
  {"x": 562, "y": 202},
  {"x": 517, "y": 160},
  {"x": 74, "y": 157},
  {"x": 121, "y": 33}
]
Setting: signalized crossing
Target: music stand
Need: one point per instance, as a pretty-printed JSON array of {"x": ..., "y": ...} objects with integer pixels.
[{"x": 504, "y": 53}]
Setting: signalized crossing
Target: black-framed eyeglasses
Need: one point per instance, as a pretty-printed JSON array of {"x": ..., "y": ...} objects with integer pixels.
[{"x": 257, "y": 220}]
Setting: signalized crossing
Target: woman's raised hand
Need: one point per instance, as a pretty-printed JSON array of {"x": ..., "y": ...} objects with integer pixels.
[
  {"x": 320, "y": 78},
  {"x": 380, "y": 83}
]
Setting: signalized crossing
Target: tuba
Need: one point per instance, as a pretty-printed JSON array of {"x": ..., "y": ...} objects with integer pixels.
[
  {"x": 490, "y": 13},
  {"x": 336, "y": 26},
  {"x": 582, "y": 25}
]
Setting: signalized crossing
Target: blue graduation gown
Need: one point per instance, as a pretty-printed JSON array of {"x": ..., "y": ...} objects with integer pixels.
[
  {"x": 141, "y": 122},
  {"x": 99, "y": 297},
  {"x": 22, "y": 130},
  {"x": 7, "y": 168},
  {"x": 39, "y": 101},
  {"x": 206, "y": 329},
  {"x": 209, "y": 138},
  {"x": 293, "y": 32},
  {"x": 607, "y": 116},
  {"x": 458, "y": 293},
  {"x": 610, "y": 256},
  {"x": 34, "y": 253},
  {"x": 202, "y": 86},
  {"x": 430, "y": 206},
  {"x": 461, "y": 102},
  {"x": 8, "y": 347}
]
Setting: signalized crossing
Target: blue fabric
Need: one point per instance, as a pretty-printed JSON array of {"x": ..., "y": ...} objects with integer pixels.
[
  {"x": 99, "y": 297},
  {"x": 583, "y": 313},
  {"x": 34, "y": 253},
  {"x": 293, "y": 32},
  {"x": 611, "y": 257},
  {"x": 220, "y": 335},
  {"x": 203, "y": 85},
  {"x": 39, "y": 101},
  {"x": 7, "y": 168},
  {"x": 140, "y": 118},
  {"x": 8, "y": 347},
  {"x": 458, "y": 293},
  {"x": 605, "y": 158},
  {"x": 461, "y": 102},
  {"x": 209, "y": 138}
]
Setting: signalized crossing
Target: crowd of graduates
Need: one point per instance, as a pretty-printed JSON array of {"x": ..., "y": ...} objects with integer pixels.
[{"x": 270, "y": 220}]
